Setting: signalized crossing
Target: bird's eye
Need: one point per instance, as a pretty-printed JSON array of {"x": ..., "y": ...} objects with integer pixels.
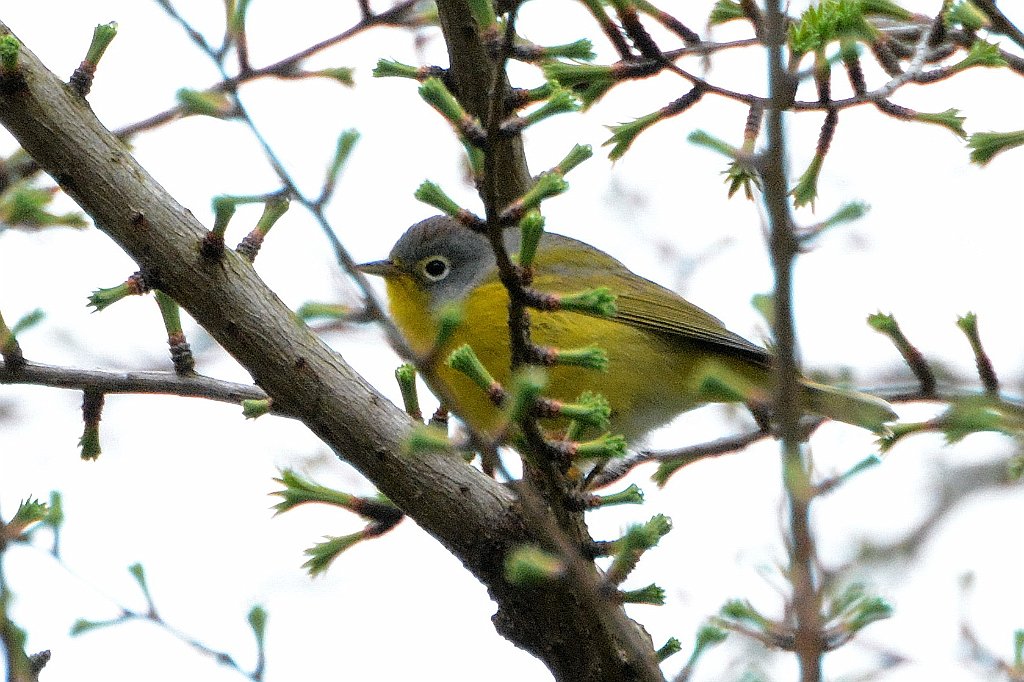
[{"x": 436, "y": 268}]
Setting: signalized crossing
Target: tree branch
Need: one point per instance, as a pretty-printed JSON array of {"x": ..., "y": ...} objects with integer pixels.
[{"x": 112, "y": 381}]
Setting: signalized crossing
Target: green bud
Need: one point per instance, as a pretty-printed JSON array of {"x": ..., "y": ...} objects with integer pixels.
[
  {"x": 424, "y": 439},
  {"x": 391, "y": 69},
  {"x": 703, "y": 139},
  {"x": 846, "y": 599},
  {"x": 527, "y": 384},
  {"x": 652, "y": 594},
  {"x": 25, "y": 322},
  {"x": 547, "y": 185},
  {"x": 743, "y": 611},
  {"x": 968, "y": 15},
  {"x": 531, "y": 565},
  {"x": 589, "y": 81},
  {"x": 868, "y": 611},
  {"x": 330, "y": 311},
  {"x": 436, "y": 94},
  {"x": 464, "y": 360},
  {"x": 524, "y": 97},
  {"x": 30, "y": 512},
  {"x": 10, "y": 48},
  {"x": 102, "y": 36},
  {"x": 102, "y": 298},
  {"x": 806, "y": 189},
  {"x": 848, "y": 212},
  {"x": 590, "y": 357},
  {"x": 223, "y": 209},
  {"x": 405, "y": 375},
  {"x": 982, "y": 54},
  {"x": 591, "y": 408},
  {"x": 342, "y": 74},
  {"x": 895, "y": 432},
  {"x": 624, "y": 134},
  {"x": 725, "y": 10},
  {"x": 448, "y": 318},
  {"x": 139, "y": 574},
  {"x": 253, "y": 409},
  {"x": 884, "y": 323},
  {"x": 25, "y": 206},
  {"x": 672, "y": 646},
  {"x": 582, "y": 50},
  {"x": 205, "y": 103},
  {"x": 968, "y": 324},
  {"x": 599, "y": 301},
  {"x": 257, "y": 618},
  {"x": 346, "y": 142},
  {"x": 560, "y": 102},
  {"x": 577, "y": 155},
  {"x": 55, "y": 515},
  {"x": 169, "y": 311},
  {"x": 631, "y": 495},
  {"x": 323, "y": 554},
  {"x": 431, "y": 194},
  {"x": 483, "y": 13},
  {"x": 985, "y": 146},
  {"x": 949, "y": 119},
  {"x": 968, "y": 416},
  {"x": 741, "y": 175},
  {"x": 707, "y": 637},
  {"x": 605, "y": 447},
  {"x": 273, "y": 209},
  {"x": 631, "y": 546},
  {"x": 532, "y": 227},
  {"x": 298, "y": 490},
  {"x": 82, "y": 625}
]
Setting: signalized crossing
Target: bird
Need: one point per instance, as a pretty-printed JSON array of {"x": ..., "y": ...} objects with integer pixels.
[{"x": 665, "y": 355}]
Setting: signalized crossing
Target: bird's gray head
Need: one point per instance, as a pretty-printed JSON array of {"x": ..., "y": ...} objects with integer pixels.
[{"x": 446, "y": 259}]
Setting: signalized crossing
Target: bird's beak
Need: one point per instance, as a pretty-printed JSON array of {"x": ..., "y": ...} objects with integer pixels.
[{"x": 381, "y": 268}]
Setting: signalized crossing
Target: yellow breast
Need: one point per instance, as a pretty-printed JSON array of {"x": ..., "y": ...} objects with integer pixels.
[{"x": 650, "y": 378}]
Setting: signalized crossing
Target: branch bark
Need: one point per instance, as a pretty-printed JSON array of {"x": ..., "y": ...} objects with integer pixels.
[{"x": 474, "y": 517}]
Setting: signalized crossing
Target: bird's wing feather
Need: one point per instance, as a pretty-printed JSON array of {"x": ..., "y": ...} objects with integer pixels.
[{"x": 666, "y": 313}]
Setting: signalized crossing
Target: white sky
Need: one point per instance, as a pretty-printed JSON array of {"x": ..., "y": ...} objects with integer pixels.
[{"x": 182, "y": 484}]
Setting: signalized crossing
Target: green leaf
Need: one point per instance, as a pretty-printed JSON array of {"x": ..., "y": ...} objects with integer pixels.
[
  {"x": 258, "y": 622},
  {"x": 531, "y": 565},
  {"x": 740, "y": 175},
  {"x": 723, "y": 11},
  {"x": 323, "y": 554},
  {"x": 949, "y": 119},
  {"x": 806, "y": 189},
  {"x": 986, "y": 146},
  {"x": 624, "y": 134}
]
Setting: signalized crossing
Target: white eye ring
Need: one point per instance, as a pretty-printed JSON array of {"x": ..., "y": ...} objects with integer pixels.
[{"x": 436, "y": 268}]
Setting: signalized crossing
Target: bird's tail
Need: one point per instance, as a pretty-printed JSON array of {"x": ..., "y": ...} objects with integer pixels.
[
  {"x": 849, "y": 407},
  {"x": 724, "y": 382}
]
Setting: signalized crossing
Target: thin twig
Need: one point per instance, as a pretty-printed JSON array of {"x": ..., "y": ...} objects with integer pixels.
[
  {"x": 784, "y": 247},
  {"x": 142, "y": 382}
]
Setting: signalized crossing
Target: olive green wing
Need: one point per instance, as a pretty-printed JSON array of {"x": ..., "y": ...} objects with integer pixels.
[
  {"x": 679, "y": 318},
  {"x": 639, "y": 302}
]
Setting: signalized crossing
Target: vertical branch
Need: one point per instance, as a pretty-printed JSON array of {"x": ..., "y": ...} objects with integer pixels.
[
  {"x": 472, "y": 71},
  {"x": 613, "y": 648},
  {"x": 784, "y": 245}
]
